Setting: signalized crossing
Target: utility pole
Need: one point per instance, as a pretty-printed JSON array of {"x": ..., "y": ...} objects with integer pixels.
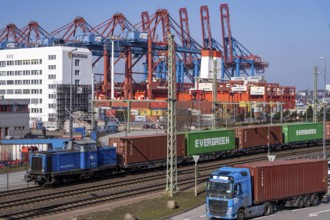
[
  {"x": 171, "y": 168},
  {"x": 214, "y": 92},
  {"x": 324, "y": 107},
  {"x": 315, "y": 94}
]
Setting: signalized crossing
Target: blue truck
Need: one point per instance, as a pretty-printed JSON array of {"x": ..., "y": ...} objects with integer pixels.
[{"x": 259, "y": 188}]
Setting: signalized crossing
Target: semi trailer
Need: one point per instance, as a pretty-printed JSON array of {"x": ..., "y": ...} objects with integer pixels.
[{"x": 259, "y": 188}]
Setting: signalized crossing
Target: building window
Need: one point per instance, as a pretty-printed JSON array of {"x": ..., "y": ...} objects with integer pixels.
[
  {"x": 77, "y": 72},
  {"x": 26, "y": 72},
  {"x": 18, "y": 91},
  {"x": 3, "y": 64},
  {"x": 35, "y": 91},
  {"x": 10, "y": 82},
  {"x": 51, "y": 115},
  {"x": 2, "y": 91},
  {"x": 26, "y": 82},
  {"x": 2, "y": 82},
  {"x": 18, "y": 73},
  {"x": 10, "y": 63},
  {"x": 3, "y": 73},
  {"x": 35, "y": 61},
  {"x": 52, "y": 76},
  {"x": 52, "y": 86},
  {"x": 34, "y": 81},
  {"x": 10, "y": 73},
  {"x": 18, "y": 62},
  {"x": 52, "y": 96},
  {"x": 77, "y": 62},
  {"x": 26, "y": 62},
  {"x": 52, "y": 67},
  {"x": 10, "y": 91},
  {"x": 76, "y": 82},
  {"x": 18, "y": 82},
  {"x": 34, "y": 101},
  {"x": 26, "y": 91},
  {"x": 52, "y": 57}
]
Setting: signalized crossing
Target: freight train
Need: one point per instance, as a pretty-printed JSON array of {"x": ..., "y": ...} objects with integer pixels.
[{"x": 82, "y": 159}]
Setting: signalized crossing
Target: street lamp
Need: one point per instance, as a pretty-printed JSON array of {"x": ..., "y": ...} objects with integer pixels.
[
  {"x": 324, "y": 106},
  {"x": 70, "y": 116}
]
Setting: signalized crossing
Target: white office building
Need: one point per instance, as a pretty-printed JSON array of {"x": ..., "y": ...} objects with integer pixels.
[{"x": 45, "y": 76}]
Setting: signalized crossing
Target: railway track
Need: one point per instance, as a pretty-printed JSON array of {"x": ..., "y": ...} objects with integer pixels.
[{"x": 43, "y": 202}]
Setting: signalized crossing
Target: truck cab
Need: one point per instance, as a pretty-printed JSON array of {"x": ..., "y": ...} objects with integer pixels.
[{"x": 229, "y": 194}]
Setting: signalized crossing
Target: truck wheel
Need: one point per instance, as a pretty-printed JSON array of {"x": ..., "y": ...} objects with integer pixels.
[
  {"x": 241, "y": 214},
  {"x": 268, "y": 209},
  {"x": 300, "y": 202},
  {"x": 307, "y": 201},
  {"x": 315, "y": 200}
]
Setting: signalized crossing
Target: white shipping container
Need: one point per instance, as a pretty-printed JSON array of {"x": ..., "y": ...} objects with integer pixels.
[{"x": 140, "y": 118}]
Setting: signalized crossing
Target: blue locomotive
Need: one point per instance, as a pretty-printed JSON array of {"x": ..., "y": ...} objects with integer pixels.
[{"x": 78, "y": 160}]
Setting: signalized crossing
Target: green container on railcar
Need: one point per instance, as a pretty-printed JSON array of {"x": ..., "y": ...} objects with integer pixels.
[
  {"x": 204, "y": 142},
  {"x": 302, "y": 132}
]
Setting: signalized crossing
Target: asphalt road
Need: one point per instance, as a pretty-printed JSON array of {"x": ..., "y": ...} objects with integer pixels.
[
  {"x": 320, "y": 212},
  {"x": 13, "y": 180}
]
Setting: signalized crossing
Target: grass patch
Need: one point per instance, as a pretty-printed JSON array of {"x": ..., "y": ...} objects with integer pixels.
[{"x": 153, "y": 208}]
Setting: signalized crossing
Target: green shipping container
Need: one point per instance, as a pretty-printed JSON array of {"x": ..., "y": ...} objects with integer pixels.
[
  {"x": 302, "y": 132},
  {"x": 204, "y": 142}
]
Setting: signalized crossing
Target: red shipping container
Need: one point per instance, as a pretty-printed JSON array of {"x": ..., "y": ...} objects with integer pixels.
[
  {"x": 327, "y": 130},
  {"x": 284, "y": 179},
  {"x": 254, "y": 136},
  {"x": 145, "y": 149}
]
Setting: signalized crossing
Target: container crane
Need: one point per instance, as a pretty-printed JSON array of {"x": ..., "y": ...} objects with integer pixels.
[
  {"x": 34, "y": 35},
  {"x": 237, "y": 59},
  {"x": 10, "y": 37},
  {"x": 75, "y": 33}
]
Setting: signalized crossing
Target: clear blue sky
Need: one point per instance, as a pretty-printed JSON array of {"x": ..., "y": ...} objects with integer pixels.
[{"x": 290, "y": 35}]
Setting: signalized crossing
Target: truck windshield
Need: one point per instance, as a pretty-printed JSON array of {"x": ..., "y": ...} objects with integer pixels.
[{"x": 219, "y": 189}]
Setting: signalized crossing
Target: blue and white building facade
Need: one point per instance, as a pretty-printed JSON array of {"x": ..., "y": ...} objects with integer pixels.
[{"x": 36, "y": 73}]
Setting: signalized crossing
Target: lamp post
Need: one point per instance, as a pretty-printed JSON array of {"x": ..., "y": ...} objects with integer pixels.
[
  {"x": 324, "y": 106},
  {"x": 71, "y": 76},
  {"x": 92, "y": 104}
]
